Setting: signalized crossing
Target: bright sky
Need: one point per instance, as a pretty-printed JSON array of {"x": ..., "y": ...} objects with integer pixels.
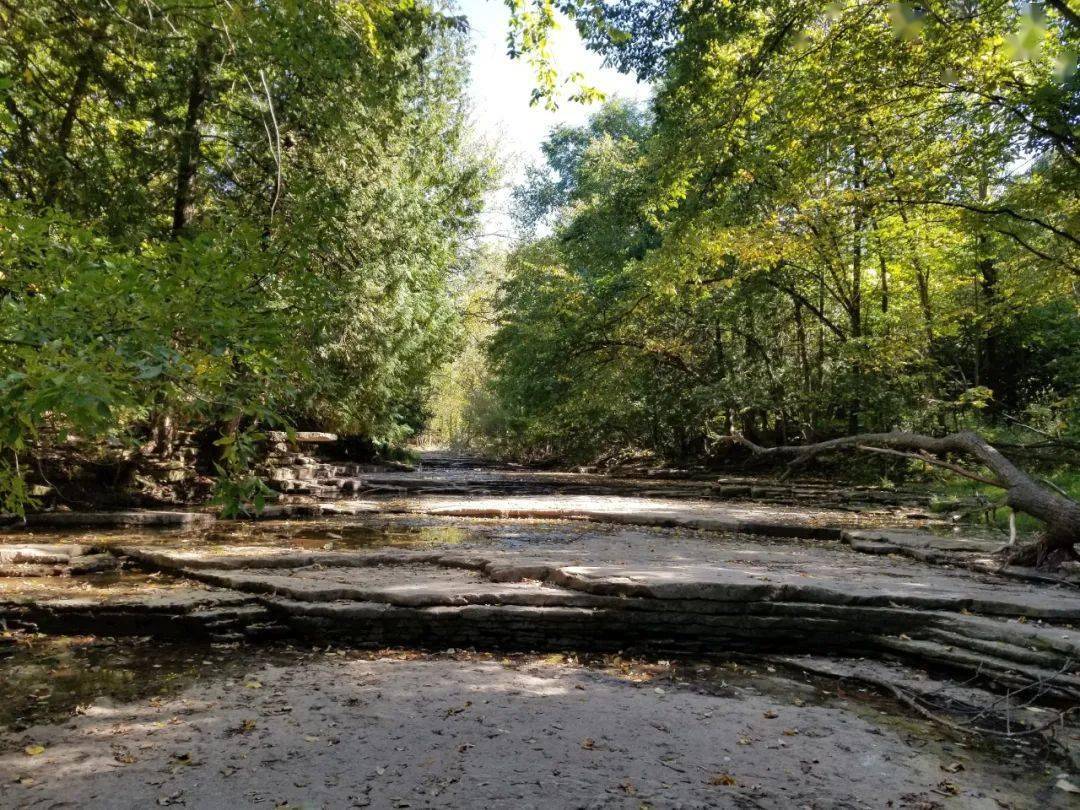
[{"x": 500, "y": 91}]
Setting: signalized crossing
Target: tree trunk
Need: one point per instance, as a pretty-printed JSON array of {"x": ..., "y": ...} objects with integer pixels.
[
  {"x": 63, "y": 134},
  {"x": 855, "y": 310},
  {"x": 89, "y": 64},
  {"x": 986, "y": 344},
  {"x": 1059, "y": 514},
  {"x": 187, "y": 163}
]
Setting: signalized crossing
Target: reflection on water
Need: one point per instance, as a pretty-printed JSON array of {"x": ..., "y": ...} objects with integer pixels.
[
  {"x": 341, "y": 533},
  {"x": 46, "y": 679},
  {"x": 101, "y": 586},
  {"x": 336, "y": 536}
]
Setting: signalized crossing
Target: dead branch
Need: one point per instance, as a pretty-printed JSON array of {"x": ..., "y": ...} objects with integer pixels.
[
  {"x": 1059, "y": 513},
  {"x": 928, "y": 459}
]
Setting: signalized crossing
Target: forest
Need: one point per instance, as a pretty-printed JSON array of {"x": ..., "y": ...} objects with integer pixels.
[
  {"x": 832, "y": 219},
  {"x": 219, "y": 217},
  {"x": 540, "y": 404}
]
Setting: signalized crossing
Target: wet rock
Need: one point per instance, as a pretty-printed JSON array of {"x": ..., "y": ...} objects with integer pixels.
[
  {"x": 40, "y": 554},
  {"x": 92, "y": 563}
]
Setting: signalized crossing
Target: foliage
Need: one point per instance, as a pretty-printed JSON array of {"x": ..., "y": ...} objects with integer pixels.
[
  {"x": 838, "y": 217},
  {"x": 227, "y": 214},
  {"x": 463, "y": 411}
]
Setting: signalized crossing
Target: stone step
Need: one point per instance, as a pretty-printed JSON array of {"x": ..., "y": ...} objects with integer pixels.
[
  {"x": 997, "y": 649},
  {"x": 919, "y": 544},
  {"x": 1061, "y": 682}
]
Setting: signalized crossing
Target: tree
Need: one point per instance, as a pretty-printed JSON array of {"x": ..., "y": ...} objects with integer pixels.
[
  {"x": 839, "y": 218},
  {"x": 1059, "y": 513},
  {"x": 225, "y": 214}
]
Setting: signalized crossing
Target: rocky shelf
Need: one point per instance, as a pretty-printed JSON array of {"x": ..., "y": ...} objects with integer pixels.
[
  {"x": 556, "y": 562},
  {"x": 664, "y": 602}
]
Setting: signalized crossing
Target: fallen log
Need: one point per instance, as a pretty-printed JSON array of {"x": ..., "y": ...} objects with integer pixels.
[{"x": 1059, "y": 513}]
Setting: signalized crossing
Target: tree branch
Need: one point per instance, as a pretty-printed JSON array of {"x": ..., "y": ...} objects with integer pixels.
[{"x": 936, "y": 462}]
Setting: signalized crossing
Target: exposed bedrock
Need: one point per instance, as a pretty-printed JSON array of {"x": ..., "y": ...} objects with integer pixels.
[
  {"x": 1013, "y": 633},
  {"x": 793, "y": 578},
  {"x": 179, "y": 614}
]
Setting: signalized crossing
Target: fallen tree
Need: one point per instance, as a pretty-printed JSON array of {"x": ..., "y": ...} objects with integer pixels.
[{"x": 1059, "y": 513}]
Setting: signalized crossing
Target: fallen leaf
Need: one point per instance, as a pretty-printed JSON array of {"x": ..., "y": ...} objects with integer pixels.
[
  {"x": 945, "y": 786},
  {"x": 458, "y": 709},
  {"x": 722, "y": 779},
  {"x": 744, "y": 741},
  {"x": 253, "y": 684},
  {"x": 246, "y": 727},
  {"x": 34, "y": 750}
]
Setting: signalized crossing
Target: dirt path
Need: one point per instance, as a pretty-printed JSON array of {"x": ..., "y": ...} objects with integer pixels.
[{"x": 338, "y": 730}]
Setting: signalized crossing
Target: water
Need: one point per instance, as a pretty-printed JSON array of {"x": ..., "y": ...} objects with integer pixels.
[
  {"x": 341, "y": 533},
  {"x": 47, "y": 679}
]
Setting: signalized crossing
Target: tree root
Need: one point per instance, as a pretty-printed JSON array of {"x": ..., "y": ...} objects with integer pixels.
[
  {"x": 997, "y": 714},
  {"x": 1040, "y": 554}
]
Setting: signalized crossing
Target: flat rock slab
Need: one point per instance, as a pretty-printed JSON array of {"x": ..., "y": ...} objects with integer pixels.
[
  {"x": 40, "y": 553},
  {"x": 647, "y": 590},
  {"x": 776, "y": 521},
  {"x": 47, "y": 559},
  {"x": 430, "y": 732},
  {"x": 404, "y": 585},
  {"x": 638, "y": 565},
  {"x": 932, "y": 591},
  {"x": 914, "y": 681},
  {"x": 71, "y": 593},
  {"x": 911, "y": 539},
  {"x": 251, "y": 557},
  {"x": 107, "y": 605}
]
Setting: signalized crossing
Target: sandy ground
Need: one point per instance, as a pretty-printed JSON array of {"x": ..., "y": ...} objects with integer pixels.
[{"x": 338, "y": 730}]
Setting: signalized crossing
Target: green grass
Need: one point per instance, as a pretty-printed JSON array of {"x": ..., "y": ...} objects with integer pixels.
[{"x": 950, "y": 491}]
